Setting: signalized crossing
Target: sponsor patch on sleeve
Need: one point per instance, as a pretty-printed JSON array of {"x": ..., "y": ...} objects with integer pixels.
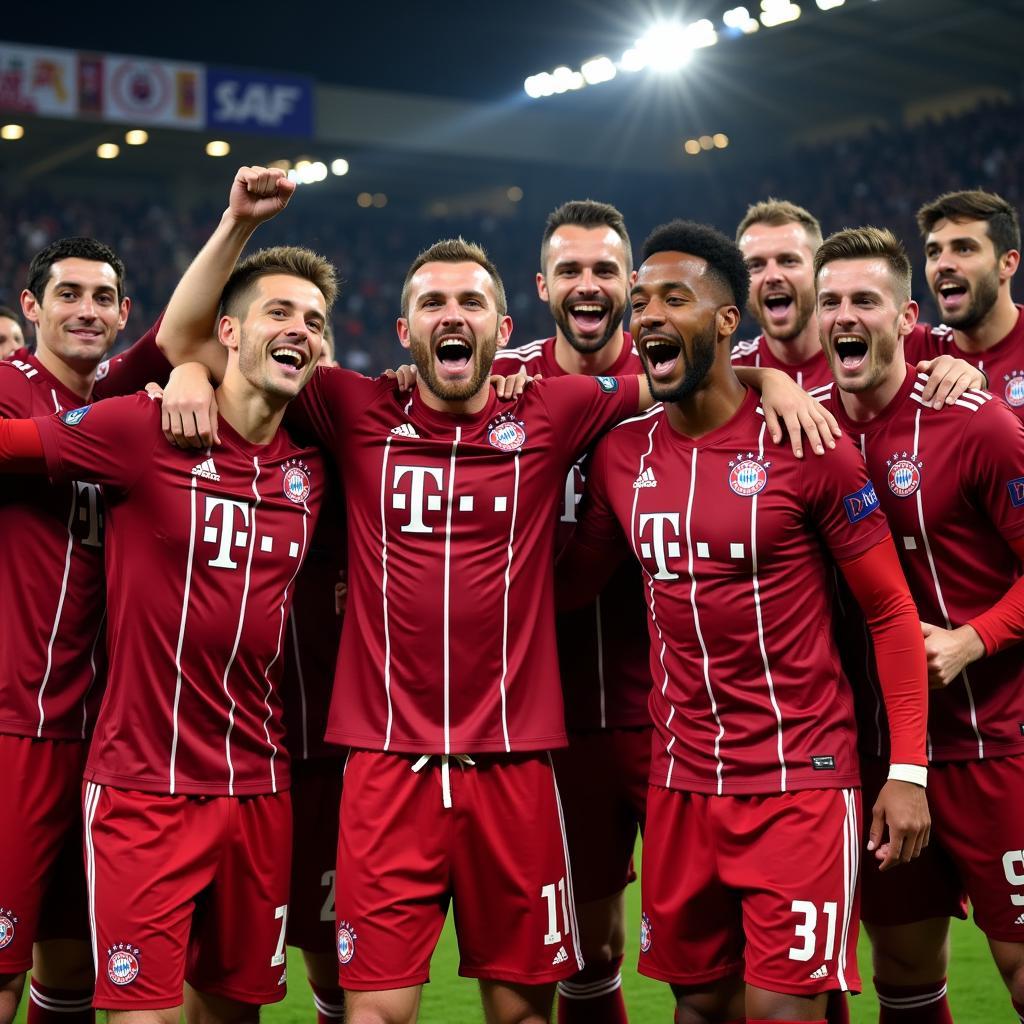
[
  {"x": 1016, "y": 489},
  {"x": 609, "y": 385},
  {"x": 74, "y": 416},
  {"x": 861, "y": 503}
]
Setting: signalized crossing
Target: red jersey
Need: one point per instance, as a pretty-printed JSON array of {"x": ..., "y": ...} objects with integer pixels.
[
  {"x": 811, "y": 373},
  {"x": 312, "y": 636},
  {"x": 1003, "y": 363},
  {"x": 734, "y": 540},
  {"x": 52, "y": 659},
  {"x": 602, "y": 648},
  {"x": 448, "y": 644},
  {"x": 201, "y": 556},
  {"x": 951, "y": 483}
]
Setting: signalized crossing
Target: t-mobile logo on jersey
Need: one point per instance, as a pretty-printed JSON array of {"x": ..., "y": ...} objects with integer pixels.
[
  {"x": 225, "y": 533},
  {"x": 417, "y": 500},
  {"x": 663, "y": 526}
]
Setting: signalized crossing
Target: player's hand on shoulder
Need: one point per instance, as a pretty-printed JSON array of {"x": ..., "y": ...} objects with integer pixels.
[
  {"x": 404, "y": 377},
  {"x": 949, "y": 652},
  {"x": 259, "y": 193},
  {"x": 948, "y": 379},
  {"x": 901, "y": 810},
  {"x": 513, "y": 385},
  {"x": 189, "y": 417},
  {"x": 786, "y": 404}
]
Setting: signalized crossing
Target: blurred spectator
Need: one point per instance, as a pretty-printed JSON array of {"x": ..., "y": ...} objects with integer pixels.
[{"x": 12, "y": 335}]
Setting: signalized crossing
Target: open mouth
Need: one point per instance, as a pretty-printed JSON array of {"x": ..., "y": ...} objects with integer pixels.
[
  {"x": 662, "y": 355},
  {"x": 777, "y": 306},
  {"x": 851, "y": 351},
  {"x": 454, "y": 354},
  {"x": 952, "y": 293},
  {"x": 292, "y": 358},
  {"x": 588, "y": 316}
]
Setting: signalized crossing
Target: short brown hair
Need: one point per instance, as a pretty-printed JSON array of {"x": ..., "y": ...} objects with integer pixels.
[
  {"x": 867, "y": 244},
  {"x": 777, "y": 212},
  {"x": 974, "y": 204},
  {"x": 585, "y": 213},
  {"x": 456, "y": 250},
  {"x": 281, "y": 259}
]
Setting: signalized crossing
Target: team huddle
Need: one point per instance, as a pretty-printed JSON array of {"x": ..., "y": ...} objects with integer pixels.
[{"x": 298, "y": 657}]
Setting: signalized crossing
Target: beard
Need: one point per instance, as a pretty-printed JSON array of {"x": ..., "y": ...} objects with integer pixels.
[
  {"x": 422, "y": 352},
  {"x": 563, "y": 320},
  {"x": 804, "y": 311},
  {"x": 697, "y": 363},
  {"x": 984, "y": 298}
]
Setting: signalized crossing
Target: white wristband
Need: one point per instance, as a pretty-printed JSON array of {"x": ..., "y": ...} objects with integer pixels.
[{"x": 915, "y": 773}]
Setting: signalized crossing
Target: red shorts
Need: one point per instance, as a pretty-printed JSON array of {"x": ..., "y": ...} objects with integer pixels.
[
  {"x": 976, "y": 850},
  {"x": 498, "y": 853},
  {"x": 316, "y": 792},
  {"x": 42, "y": 880},
  {"x": 602, "y": 779},
  {"x": 186, "y": 887},
  {"x": 765, "y": 886}
]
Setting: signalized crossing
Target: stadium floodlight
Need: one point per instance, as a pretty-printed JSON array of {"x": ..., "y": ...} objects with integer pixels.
[
  {"x": 692, "y": 146},
  {"x": 514, "y": 193},
  {"x": 632, "y": 60},
  {"x": 701, "y": 33},
  {"x": 597, "y": 70},
  {"x": 720, "y": 139},
  {"x": 540, "y": 85},
  {"x": 12, "y": 132},
  {"x": 564, "y": 78},
  {"x": 739, "y": 18},
  {"x": 828, "y": 5},
  {"x": 136, "y": 137},
  {"x": 107, "y": 150},
  {"x": 665, "y": 46},
  {"x": 339, "y": 167},
  {"x": 778, "y": 12},
  {"x": 218, "y": 147},
  {"x": 364, "y": 200}
]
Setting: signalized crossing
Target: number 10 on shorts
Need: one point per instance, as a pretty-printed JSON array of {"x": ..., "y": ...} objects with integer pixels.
[
  {"x": 555, "y": 893},
  {"x": 807, "y": 930}
]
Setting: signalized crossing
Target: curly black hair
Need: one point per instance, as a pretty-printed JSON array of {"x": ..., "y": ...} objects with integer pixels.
[{"x": 724, "y": 259}]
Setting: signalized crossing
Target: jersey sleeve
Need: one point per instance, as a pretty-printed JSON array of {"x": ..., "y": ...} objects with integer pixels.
[
  {"x": 109, "y": 443},
  {"x": 841, "y": 502},
  {"x": 133, "y": 369},
  {"x": 331, "y": 400},
  {"x": 992, "y": 466},
  {"x": 582, "y": 408},
  {"x": 15, "y": 393},
  {"x": 597, "y": 546}
]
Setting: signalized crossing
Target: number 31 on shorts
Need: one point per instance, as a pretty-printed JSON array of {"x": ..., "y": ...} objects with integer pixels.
[{"x": 807, "y": 930}]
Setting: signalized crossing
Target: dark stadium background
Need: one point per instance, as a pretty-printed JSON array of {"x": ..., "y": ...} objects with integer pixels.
[{"x": 859, "y": 113}]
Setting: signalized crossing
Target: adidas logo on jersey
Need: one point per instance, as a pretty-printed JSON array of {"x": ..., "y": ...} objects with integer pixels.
[
  {"x": 207, "y": 470},
  {"x": 1020, "y": 920},
  {"x": 560, "y": 957},
  {"x": 821, "y": 972},
  {"x": 404, "y": 430},
  {"x": 645, "y": 479}
]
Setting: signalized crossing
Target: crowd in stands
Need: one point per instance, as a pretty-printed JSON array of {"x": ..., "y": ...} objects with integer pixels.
[{"x": 877, "y": 178}]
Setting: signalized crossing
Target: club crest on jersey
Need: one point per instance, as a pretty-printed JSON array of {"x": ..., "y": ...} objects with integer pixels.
[
  {"x": 1014, "y": 390},
  {"x": 506, "y": 434},
  {"x": 346, "y": 942},
  {"x": 748, "y": 475},
  {"x": 8, "y": 925},
  {"x": 645, "y": 934},
  {"x": 123, "y": 963},
  {"x": 1016, "y": 489},
  {"x": 296, "y": 481},
  {"x": 861, "y": 503},
  {"x": 904, "y": 476},
  {"x": 74, "y": 416}
]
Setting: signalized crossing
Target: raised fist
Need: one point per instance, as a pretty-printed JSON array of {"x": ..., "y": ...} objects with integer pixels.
[{"x": 259, "y": 193}]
